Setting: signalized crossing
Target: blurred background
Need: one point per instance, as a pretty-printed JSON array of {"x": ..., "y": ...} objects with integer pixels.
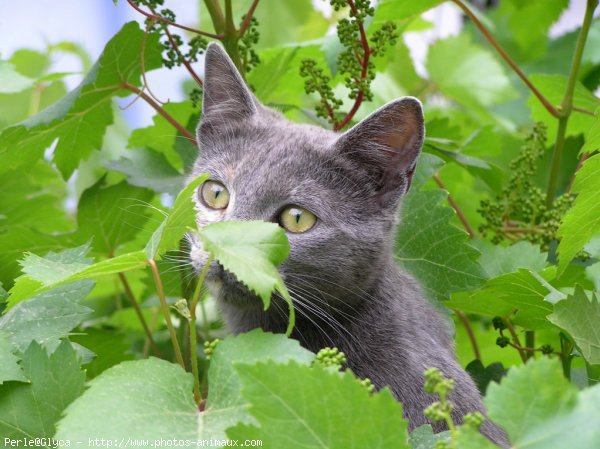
[{"x": 40, "y": 24}]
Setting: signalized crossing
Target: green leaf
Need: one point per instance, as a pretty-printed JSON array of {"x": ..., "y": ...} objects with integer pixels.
[
  {"x": 531, "y": 35},
  {"x": 15, "y": 242},
  {"x": 31, "y": 410},
  {"x": 112, "y": 215},
  {"x": 524, "y": 292},
  {"x": 483, "y": 375},
  {"x": 9, "y": 362},
  {"x": 182, "y": 219},
  {"x": 80, "y": 119},
  {"x": 396, "y": 10},
  {"x": 553, "y": 88},
  {"x": 310, "y": 413},
  {"x": 582, "y": 221},
  {"x": 48, "y": 316},
  {"x": 40, "y": 277},
  {"x": 433, "y": 250},
  {"x": 579, "y": 317},
  {"x": 468, "y": 438},
  {"x": 552, "y": 415},
  {"x": 161, "y": 136},
  {"x": 460, "y": 78},
  {"x": 110, "y": 346},
  {"x": 424, "y": 438},
  {"x": 149, "y": 169},
  {"x": 55, "y": 267},
  {"x": 225, "y": 405},
  {"x": 12, "y": 81},
  {"x": 145, "y": 399},
  {"x": 36, "y": 199},
  {"x": 499, "y": 260},
  {"x": 592, "y": 141},
  {"x": 251, "y": 250}
]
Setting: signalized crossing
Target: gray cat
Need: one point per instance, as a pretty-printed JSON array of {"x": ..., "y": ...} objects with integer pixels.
[{"x": 337, "y": 196}]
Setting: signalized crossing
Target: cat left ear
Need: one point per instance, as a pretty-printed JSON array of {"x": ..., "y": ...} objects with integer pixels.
[
  {"x": 387, "y": 144},
  {"x": 226, "y": 96}
]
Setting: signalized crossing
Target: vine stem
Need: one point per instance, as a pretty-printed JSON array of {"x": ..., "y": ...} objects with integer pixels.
[
  {"x": 248, "y": 18},
  {"x": 456, "y": 207},
  {"x": 465, "y": 321},
  {"x": 160, "y": 110},
  {"x": 566, "y": 106},
  {"x": 365, "y": 65},
  {"x": 230, "y": 38},
  {"x": 549, "y": 107},
  {"x": 515, "y": 337},
  {"x": 138, "y": 311},
  {"x": 159, "y": 18},
  {"x": 216, "y": 15},
  {"x": 193, "y": 333},
  {"x": 165, "y": 310}
]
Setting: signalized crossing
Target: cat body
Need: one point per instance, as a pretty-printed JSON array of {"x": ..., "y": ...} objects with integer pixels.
[{"x": 347, "y": 289}]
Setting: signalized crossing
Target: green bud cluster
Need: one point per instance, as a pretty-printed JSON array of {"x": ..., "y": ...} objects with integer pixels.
[
  {"x": 498, "y": 323},
  {"x": 366, "y": 382},
  {"x": 331, "y": 357},
  {"x": 317, "y": 81},
  {"x": 250, "y": 38},
  {"x": 209, "y": 347},
  {"x": 502, "y": 341},
  {"x": 546, "y": 349},
  {"x": 437, "y": 383},
  {"x": 519, "y": 212},
  {"x": 196, "y": 96},
  {"x": 354, "y": 61},
  {"x": 474, "y": 420},
  {"x": 438, "y": 411}
]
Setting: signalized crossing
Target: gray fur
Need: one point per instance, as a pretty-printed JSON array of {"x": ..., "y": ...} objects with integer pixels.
[{"x": 348, "y": 290}]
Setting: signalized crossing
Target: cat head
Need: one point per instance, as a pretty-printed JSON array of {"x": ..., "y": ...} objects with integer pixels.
[{"x": 336, "y": 194}]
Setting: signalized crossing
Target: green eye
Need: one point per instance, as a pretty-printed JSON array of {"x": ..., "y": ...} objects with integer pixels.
[
  {"x": 214, "y": 195},
  {"x": 296, "y": 219}
]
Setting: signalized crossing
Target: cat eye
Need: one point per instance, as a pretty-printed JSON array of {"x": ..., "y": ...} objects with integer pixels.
[
  {"x": 214, "y": 194},
  {"x": 297, "y": 219}
]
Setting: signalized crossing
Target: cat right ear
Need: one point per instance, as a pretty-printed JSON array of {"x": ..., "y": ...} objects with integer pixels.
[{"x": 226, "y": 97}]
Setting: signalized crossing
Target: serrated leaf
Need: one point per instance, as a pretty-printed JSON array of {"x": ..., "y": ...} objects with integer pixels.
[
  {"x": 161, "y": 136},
  {"x": 531, "y": 35},
  {"x": 110, "y": 347},
  {"x": 483, "y": 375},
  {"x": 397, "y": 10},
  {"x": 582, "y": 221},
  {"x": 149, "y": 169},
  {"x": 55, "y": 267},
  {"x": 112, "y": 215},
  {"x": 48, "y": 316},
  {"x": 80, "y": 119},
  {"x": 251, "y": 250},
  {"x": 41, "y": 279},
  {"x": 523, "y": 411},
  {"x": 9, "y": 362},
  {"x": 525, "y": 293},
  {"x": 225, "y": 405},
  {"x": 579, "y": 316},
  {"x": 424, "y": 438},
  {"x": 553, "y": 88},
  {"x": 499, "y": 260},
  {"x": 310, "y": 413},
  {"x": 180, "y": 220},
  {"x": 433, "y": 250},
  {"x": 592, "y": 141},
  {"x": 459, "y": 78},
  {"x": 143, "y": 399},
  {"x": 31, "y": 410}
]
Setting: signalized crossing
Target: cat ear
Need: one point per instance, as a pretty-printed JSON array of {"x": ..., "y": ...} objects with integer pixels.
[
  {"x": 387, "y": 144},
  {"x": 226, "y": 97}
]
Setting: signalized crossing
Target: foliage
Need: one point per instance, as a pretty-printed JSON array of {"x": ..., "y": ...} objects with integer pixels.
[{"x": 501, "y": 227}]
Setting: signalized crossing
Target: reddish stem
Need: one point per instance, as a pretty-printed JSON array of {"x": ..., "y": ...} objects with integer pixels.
[
  {"x": 456, "y": 207},
  {"x": 161, "y": 111},
  {"x": 185, "y": 62},
  {"x": 168, "y": 22},
  {"x": 248, "y": 18},
  {"x": 364, "y": 63}
]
